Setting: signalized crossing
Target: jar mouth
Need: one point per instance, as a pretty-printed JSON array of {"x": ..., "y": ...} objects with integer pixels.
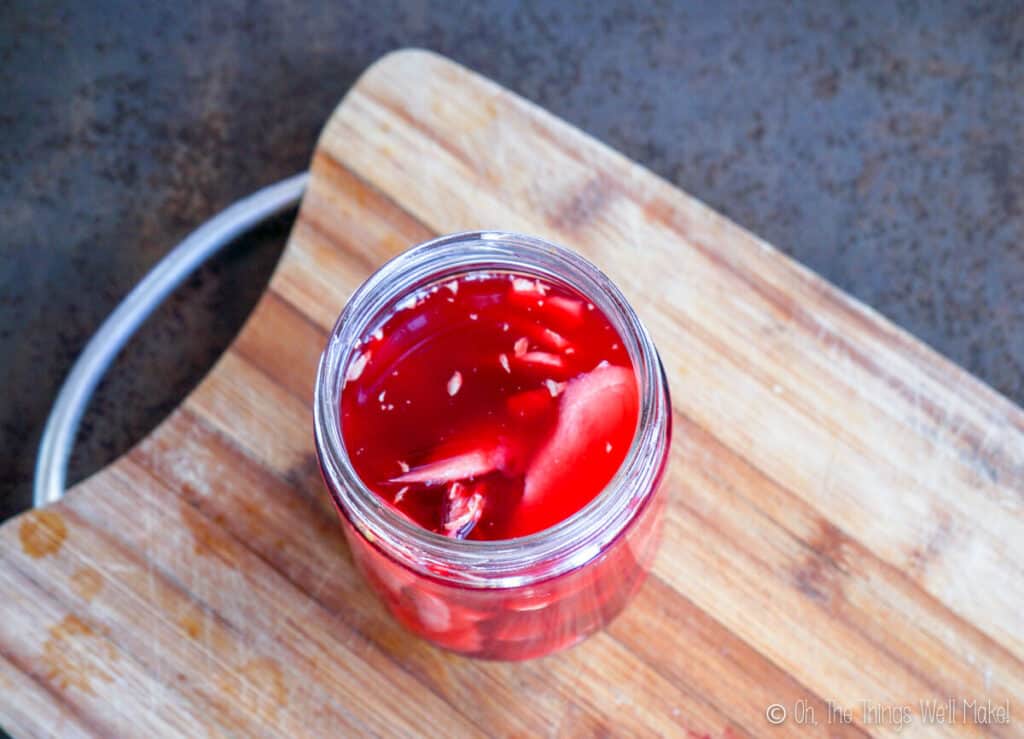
[{"x": 504, "y": 562}]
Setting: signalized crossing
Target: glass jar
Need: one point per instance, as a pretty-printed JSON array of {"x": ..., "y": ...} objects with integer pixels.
[{"x": 513, "y": 598}]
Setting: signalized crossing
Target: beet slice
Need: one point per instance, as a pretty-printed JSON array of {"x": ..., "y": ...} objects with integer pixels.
[
  {"x": 537, "y": 335},
  {"x": 474, "y": 462},
  {"x": 597, "y": 415},
  {"x": 541, "y": 361},
  {"x": 566, "y": 312},
  {"x": 552, "y": 339},
  {"x": 466, "y": 641}
]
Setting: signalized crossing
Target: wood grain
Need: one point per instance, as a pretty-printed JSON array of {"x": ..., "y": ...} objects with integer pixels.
[{"x": 846, "y": 521}]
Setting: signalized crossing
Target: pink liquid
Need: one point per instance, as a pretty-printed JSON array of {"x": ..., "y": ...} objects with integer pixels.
[{"x": 492, "y": 407}]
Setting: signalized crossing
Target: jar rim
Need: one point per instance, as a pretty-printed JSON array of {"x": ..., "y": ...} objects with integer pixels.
[{"x": 519, "y": 561}]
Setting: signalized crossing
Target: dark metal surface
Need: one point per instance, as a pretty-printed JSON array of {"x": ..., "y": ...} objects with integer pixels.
[{"x": 881, "y": 144}]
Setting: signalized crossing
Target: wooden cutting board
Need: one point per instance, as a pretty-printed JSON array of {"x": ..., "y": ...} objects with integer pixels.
[{"x": 846, "y": 521}]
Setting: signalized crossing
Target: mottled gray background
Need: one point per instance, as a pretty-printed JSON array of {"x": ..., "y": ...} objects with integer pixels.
[{"x": 879, "y": 143}]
